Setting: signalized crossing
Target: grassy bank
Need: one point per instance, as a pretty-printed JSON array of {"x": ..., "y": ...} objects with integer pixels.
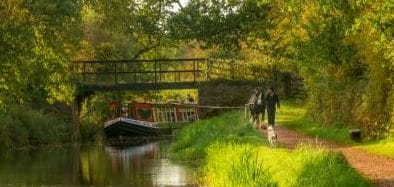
[
  {"x": 383, "y": 147},
  {"x": 192, "y": 141},
  {"x": 292, "y": 115},
  {"x": 232, "y": 153}
]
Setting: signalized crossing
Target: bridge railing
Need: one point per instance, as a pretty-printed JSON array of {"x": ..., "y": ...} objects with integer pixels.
[
  {"x": 161, "y": 73},
  {"x": 140, "y": 71}
]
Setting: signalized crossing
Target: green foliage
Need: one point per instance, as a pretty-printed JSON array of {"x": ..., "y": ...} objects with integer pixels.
[
  {"x": 349, "y": 80},
  {"x": 22, "y": 126},
  {"x": 94, "y": 113},
  {"x": 34, "y": 46},
  {"x": 220, "y": 23}
]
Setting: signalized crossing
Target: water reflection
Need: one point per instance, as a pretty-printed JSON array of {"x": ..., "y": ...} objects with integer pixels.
[
  {"x": 98, "y": 165},
  {"x": 150, "y": 162}
]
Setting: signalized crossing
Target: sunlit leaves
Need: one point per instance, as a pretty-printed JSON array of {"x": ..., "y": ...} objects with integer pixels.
[
  {"x": 35, "y": 38},
  {"x": 220, "y": 23}
]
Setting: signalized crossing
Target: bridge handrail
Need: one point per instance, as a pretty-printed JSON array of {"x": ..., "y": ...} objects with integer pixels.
[
  {"x": 141, "y": 60},
  {"x": 162, "y": 71}
]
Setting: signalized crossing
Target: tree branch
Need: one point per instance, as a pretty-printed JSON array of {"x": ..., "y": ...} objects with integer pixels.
[{"x": 144, "y": 50}]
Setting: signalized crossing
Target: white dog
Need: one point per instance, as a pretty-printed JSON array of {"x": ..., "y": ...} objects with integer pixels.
[{"x": 272, "y": 137}]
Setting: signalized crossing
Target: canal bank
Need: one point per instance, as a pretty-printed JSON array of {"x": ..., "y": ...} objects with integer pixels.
[{"x": 231, "y": 152}]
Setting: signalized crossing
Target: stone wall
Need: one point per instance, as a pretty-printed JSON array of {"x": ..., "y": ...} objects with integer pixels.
[{"x": 228, "y": 93}]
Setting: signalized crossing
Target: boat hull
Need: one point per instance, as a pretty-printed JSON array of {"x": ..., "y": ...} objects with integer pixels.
[{"x": 124, "y": 127}]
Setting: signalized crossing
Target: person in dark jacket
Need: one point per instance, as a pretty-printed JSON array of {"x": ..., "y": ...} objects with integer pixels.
[
  {"x": 272, "y": 102},
  {"x": 257, "y": 106}
]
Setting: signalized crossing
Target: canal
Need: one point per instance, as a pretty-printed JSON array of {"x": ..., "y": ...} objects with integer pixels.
[{"x": 145, "y": 164}]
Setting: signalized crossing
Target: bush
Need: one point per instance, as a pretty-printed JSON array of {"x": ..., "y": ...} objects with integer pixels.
[
  {"x": 22, "y": 126},
  {"x": 90, "y": 131}
]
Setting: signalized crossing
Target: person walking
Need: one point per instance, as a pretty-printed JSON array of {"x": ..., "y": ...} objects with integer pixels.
[
  {"x": 257, "y": 107},
  {"x": 272, "y": 102}
]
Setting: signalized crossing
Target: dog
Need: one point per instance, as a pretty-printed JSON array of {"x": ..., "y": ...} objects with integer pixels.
[{"x": 272, "y": 136}]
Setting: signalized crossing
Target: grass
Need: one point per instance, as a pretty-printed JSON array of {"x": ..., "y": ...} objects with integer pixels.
[
  {"x": 192, "y": 140},
  {"x": 292, "y": 115},
  {"x": 383, "y": 147},
  {"x": 232, "y": 153},
  {"x": 249, "y": 165}
]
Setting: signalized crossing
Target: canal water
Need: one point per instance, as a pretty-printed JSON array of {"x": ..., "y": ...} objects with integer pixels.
[{"x": 141, "y": 165}]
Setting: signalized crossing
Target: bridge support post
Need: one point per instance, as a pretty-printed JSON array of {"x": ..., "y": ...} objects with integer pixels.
[
  {"x": 76, "y": 110},
  {"x": 208, "y": 73}
]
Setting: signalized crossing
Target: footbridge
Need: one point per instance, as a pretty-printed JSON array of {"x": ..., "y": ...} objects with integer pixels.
[{"x": 158, "y": 74}]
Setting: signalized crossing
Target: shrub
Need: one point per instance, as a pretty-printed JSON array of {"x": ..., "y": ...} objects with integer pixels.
[{"x": 22, "y": 126}]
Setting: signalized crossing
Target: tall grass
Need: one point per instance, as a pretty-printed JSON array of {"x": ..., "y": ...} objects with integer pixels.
[
  {"x": 233, "y": 164},
  {"x": 250, "y": 165},
  {"x": 232, "y": 153},
  {"x": 192, "y": 141}
]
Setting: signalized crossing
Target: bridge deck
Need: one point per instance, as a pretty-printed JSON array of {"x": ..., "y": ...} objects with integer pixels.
[
  {"x": 159, "y": 74},
  {"x": 122, "y": 75}
]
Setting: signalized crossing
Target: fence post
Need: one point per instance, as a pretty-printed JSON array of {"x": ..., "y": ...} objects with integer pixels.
[
  {"x": 84, "y": 72},
  {"x": 208, "y": 73}
]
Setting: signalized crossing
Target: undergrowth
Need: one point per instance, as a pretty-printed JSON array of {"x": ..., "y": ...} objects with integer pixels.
[{"x": 22, "y": 127}]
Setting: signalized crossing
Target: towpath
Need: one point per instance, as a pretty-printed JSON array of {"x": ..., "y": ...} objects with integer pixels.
[{"x": 377, "y": 168}]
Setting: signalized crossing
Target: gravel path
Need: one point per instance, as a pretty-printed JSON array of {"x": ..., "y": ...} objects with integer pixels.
[{"x": 378, "y": 168}]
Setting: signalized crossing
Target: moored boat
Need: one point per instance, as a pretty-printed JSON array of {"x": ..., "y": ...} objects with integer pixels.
[
  {"x": 142, "y": 119},
  {"x": 129, "y": 128}
]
